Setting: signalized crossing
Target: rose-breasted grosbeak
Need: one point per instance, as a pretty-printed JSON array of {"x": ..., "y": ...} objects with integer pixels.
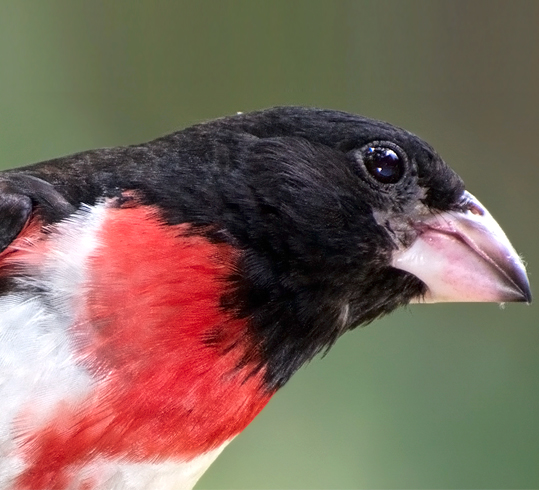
[{"x": 154, "y": 297}]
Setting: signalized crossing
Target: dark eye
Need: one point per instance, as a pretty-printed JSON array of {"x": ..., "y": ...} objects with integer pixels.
[{"x": 384, "y": 164}]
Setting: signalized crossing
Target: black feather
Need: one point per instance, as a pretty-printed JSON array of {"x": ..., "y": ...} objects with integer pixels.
[{"x": 288, "y": 188}]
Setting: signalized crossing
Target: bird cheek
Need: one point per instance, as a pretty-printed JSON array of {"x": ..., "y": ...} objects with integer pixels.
[{"x": 464, "y": 257}]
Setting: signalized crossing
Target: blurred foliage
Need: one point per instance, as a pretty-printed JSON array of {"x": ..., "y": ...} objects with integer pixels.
[{"x": 442, "y": 396}]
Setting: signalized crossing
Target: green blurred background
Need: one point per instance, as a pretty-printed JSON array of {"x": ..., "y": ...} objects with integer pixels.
[{"x": 442, "y": 396}]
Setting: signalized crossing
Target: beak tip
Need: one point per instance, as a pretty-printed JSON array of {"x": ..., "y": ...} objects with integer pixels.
[
  {"x": 521, "y": 284},
  {"x": 526, "y": 295}
]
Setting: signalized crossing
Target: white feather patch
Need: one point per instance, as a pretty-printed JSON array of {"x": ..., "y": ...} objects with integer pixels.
[{"x": 37, "y": 365}]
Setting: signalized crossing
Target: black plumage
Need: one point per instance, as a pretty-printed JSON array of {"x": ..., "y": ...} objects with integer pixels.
[{"x": 289, "y": 188}]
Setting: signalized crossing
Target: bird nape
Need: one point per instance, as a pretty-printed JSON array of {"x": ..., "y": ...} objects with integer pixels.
[{"x": 154, "y": 297}]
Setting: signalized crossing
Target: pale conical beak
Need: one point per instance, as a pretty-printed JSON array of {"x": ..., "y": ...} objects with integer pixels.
[{"x": 464, "y": 256}]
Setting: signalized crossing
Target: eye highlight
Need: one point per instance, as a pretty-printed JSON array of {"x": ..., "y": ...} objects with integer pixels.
[{"x": 384, "y": 164}]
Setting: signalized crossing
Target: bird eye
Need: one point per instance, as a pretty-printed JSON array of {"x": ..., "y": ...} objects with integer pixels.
[{"x": 384, "y": 164}]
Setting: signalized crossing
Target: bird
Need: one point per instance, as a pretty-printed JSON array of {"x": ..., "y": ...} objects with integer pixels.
[{"x": 154, "y": 297}]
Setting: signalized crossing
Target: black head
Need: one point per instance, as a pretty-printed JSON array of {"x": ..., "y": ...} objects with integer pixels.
[{"x": 318, "y": 201}]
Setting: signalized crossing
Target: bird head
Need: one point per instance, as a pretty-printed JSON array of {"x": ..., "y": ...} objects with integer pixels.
[{"x": 341, "y": 219}]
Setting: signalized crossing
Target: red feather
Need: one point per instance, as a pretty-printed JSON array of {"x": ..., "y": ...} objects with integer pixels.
[{"x": 172, "y": 380}]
